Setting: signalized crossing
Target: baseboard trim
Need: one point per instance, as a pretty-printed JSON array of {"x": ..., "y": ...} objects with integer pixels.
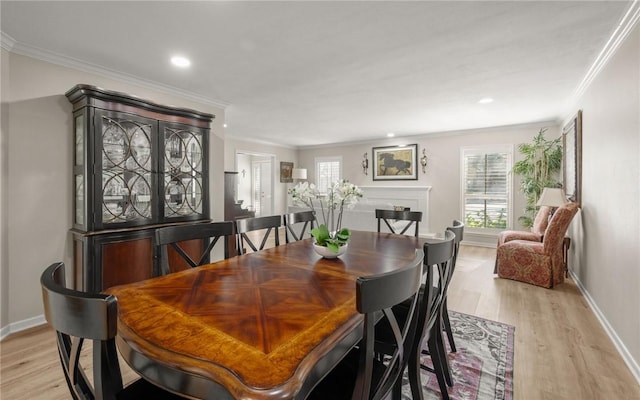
[
  {"x": 622, "y": 349},
  {"x": 478, "y": 244},
  {"x": 22, "y": 325}
]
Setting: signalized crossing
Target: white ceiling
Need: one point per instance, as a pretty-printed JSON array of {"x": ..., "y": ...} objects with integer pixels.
[{"x": 311, "y": 73}]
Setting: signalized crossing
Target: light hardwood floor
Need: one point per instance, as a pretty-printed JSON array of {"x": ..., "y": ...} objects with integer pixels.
[{"x": 561, "y": 350}]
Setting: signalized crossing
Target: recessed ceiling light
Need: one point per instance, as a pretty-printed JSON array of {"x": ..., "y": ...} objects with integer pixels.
[
  {"x": 181, "y": 62},
  {"x": 224, "y": 125},
  {"x": 391, "y": 134},
  {"x": 485, "y": 100}
]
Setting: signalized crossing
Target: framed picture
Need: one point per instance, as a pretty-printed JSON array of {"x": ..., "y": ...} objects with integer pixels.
[
  {"x": 286, "y": 170},
  {"x": 572, "y": 158},
  {"x": 395, "y": 163}
]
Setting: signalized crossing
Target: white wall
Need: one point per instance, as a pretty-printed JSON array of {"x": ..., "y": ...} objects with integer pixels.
[
  {"x": 4, "y": 152},
  {"x": 443, "y": 169},
  {"x": 605, "y": 247},
  {"x": 38, "y": 173}
]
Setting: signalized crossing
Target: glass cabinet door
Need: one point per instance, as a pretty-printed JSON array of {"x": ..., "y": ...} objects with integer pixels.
[
  {"x": 127, "y": 167},
  {"x": 182, "y": 168},
  {"x": 79, "y": 173}
]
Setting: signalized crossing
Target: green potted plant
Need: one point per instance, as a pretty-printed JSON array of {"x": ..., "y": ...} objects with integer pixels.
[
  {"x": 539, "y": 168},
  {"x": 330, "y": 234}
]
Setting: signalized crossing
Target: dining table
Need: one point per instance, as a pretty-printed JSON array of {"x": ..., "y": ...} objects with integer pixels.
[{"x": 264, "y": 325}]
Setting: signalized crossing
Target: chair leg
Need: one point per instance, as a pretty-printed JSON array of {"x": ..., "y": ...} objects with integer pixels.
[
  {"x": 442, "y": 352},
  {"x": 438, "y": 367},
  {"x": 447, "y": 327},
  {"x": 414, "y": 374}
]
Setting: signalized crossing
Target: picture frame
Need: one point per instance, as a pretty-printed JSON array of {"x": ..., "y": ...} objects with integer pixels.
[
  {"x": 572, "y": 158},
  {"x": 286, "y": 172},
  {"x": 395, "y": 163}
]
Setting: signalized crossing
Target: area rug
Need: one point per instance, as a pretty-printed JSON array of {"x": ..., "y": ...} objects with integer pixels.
[{"x": 482, "y": 368}]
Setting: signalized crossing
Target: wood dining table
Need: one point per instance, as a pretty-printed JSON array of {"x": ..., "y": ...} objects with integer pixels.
[{"x": 264, "y": 325}]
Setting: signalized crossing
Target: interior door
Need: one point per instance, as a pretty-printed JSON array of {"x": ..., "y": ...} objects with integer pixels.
[{"x": 262, "y": 187}]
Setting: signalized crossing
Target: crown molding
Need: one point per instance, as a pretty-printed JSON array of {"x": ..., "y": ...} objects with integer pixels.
[
  {"x": 6, "y": 41},
  {"x": 626, "y": 25},
  {"x": 16, "y": 47}
]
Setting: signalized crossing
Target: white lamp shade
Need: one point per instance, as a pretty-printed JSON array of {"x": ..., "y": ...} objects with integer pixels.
[
  {"x": 299, "y": 173},
  {"x": 552, "y": 197}
]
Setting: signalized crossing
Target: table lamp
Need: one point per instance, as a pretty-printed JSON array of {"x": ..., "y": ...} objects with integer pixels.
[
  {"x": 299, "y": 173},
  {"x": 552, "y": 197}
]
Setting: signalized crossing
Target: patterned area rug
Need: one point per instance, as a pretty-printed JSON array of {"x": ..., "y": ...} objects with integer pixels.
[{"x": 482, "y": 368}]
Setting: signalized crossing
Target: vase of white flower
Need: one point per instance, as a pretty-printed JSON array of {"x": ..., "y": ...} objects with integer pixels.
[{"x": 329, "y": 234}]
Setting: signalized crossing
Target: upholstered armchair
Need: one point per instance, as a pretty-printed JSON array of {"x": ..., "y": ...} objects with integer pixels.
[
  {"x": 538, "y": 263},
  {"x": 537, "y": 230},
  {"x": 536, "y": 233}
]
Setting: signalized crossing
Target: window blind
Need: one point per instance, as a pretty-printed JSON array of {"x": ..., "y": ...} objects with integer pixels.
[
  {"x": 486, "y": 188},
  {"x": 327, "y": 172}
]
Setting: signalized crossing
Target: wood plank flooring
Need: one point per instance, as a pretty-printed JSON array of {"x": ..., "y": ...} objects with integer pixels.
[{"x": 561, "y": 350}]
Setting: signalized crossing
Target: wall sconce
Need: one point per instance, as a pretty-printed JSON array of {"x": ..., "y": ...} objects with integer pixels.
[
  {"x": 365, "y": 164},
  {"x": 423, "y": 161}
]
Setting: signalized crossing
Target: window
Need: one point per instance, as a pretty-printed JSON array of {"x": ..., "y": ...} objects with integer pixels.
[
  {"x": 486, "y": 187},
  {"x": 328, "y": 171}
]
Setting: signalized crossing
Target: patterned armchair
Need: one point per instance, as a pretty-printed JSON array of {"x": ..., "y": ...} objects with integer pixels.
[
  {"x": 538, "y": 263},
  {"x": 537, "y": 230},
  {"x": 540, "y": 224}
]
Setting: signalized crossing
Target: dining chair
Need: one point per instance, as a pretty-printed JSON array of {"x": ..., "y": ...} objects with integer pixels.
[
  {"x": 438, "y": 259},
  {"x": 412, "y": 218},
  {"x": 361, "y": 374},
  {"x": 268, "y": 224},
  {"x": 292, "y": 221},
  {"x": 191, "y": 244},
  {"x": 78, "y": 316},
  {"x": 458, "y": 229}
]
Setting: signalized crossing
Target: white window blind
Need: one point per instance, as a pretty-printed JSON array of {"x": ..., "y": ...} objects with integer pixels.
[
  {"x": 328, "y": 171},
  {"x": 486, "y": 187}
]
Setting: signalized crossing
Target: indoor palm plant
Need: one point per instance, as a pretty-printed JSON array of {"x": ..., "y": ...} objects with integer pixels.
[
  {"x": 539, "y": 168},
  {"x": 341, "y": 194}
]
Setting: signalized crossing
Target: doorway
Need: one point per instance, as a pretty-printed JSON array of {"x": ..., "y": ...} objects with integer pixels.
[{"x": 255, "y": 181}]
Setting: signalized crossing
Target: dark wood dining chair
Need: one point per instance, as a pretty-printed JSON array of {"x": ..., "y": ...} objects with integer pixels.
[
  {"x": 458, "y": 229},
  {"x": 191, "y": 244},
  {"x": 269, "y": 224},
  {"x": 438, "y": 260},
  {"x": 78, "y": 316},
  {"x": 412, "y": 218},
  {"x": 296, "y": 225},
  {"x": 361, "y": 374}
]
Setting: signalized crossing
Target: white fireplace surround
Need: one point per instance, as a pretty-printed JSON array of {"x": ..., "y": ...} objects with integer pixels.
[{"x": 362, "y": 216}]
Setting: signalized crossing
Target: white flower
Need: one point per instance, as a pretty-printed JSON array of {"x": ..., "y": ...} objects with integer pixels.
[{"x": 341, "y": 193}]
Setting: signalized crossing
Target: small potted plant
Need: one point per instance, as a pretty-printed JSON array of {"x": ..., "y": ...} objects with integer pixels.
[{"x": 331, "y": 239}]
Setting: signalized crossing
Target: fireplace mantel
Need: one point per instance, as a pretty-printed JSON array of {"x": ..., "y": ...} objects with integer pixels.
[
  {"x": 362, "y": 216},
  {"x": 414, "y": 197}
]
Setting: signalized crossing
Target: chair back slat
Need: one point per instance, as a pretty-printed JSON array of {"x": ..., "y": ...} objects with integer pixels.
[
  {"x": 412, "y": 217},
  {"x": 293, "y": 220},
  {"x": 268, "y": 224},
  {"x": 178, "y": 237}
]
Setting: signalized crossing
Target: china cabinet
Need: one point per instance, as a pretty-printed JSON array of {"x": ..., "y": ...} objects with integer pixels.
[{"x": 138, "y": 165}]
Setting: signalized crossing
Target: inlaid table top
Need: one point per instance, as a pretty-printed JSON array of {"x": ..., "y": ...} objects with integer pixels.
[{"x": 263, "y": 325}]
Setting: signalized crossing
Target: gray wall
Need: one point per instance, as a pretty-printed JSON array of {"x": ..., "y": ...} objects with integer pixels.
[{"x": 605, "y": 247}]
